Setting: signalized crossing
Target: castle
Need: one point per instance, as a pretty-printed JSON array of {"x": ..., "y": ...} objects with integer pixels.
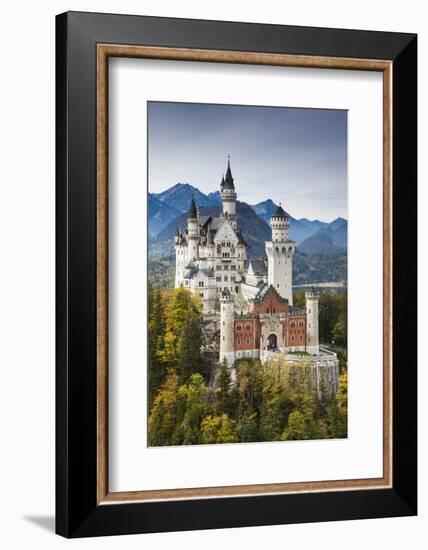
[{"x": 255, "y": 297}]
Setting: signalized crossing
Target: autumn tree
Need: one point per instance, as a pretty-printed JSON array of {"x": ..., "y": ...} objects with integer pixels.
[{"x": 163, "y": 415}]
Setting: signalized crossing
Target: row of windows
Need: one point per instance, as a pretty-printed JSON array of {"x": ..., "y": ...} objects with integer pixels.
[
  {"x": 299, "y": 337},
  {"x": 293, "y": 324},
  {"x": 248, "y": 341},
  {"x": 226, "y": 267},
  {"x": 226, "y": 279},
  {"x": 247, "y": 327}
]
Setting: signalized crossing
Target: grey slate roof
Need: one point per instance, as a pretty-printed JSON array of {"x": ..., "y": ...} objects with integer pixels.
[
  {"x": 279, "y": 213},
  {"x": 228, "y": 181},
  {"x": 258, "y": 266}
]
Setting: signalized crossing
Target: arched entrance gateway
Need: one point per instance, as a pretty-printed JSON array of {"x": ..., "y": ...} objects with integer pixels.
[{"x": 272, "y": 342}]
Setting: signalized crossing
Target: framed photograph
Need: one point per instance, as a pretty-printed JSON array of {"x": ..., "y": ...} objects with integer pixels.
[{"x": 236, "y": 274}]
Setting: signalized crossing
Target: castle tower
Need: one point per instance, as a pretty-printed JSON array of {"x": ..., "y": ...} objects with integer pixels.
[
  {"x": 180, "y": 258},
  {"x": 228, "y": 196},
  {"x": 227, "y": 320},
  {"x": 280, "y": 251},
  {"x": 312, "y": 343},
  {"x": 192, "y": 232}
]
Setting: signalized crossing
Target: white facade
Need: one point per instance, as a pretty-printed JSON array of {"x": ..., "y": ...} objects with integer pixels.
[{"x": 212, "y": 244}]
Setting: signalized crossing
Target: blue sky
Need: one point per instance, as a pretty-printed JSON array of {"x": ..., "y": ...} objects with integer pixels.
[{"x": 294, "y": 156}]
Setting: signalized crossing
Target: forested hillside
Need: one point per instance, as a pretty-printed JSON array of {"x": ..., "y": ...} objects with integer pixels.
[{"x": 269, "y": 402}]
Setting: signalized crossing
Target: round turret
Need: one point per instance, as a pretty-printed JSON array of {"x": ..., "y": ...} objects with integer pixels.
[
  {"x": 280, "y": 222},
  {"x": 312, "y": 339},
  {"x": 227, "y": 322},
  {"x": 192, "y": 231}
]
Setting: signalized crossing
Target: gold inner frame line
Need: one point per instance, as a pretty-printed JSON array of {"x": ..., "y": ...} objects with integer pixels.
[{"x": 104, "y": 51}]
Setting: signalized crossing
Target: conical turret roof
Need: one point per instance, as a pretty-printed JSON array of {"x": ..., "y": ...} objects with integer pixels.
[
  {"x": 193, "y": 212},
  {"x": 228, "y": 181}
]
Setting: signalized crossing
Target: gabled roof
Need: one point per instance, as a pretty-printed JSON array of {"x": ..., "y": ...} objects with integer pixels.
[
  {"x": 268, "y": 289},
  {"x": 258, "y": 266}
]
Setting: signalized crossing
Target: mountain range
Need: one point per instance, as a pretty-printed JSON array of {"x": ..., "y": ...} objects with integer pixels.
[{"x": 168, "y": 210}]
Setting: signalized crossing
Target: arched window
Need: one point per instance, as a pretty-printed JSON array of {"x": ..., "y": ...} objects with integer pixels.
[
  {"x": 238, "y": 327},
  {"x": 248, "y": 327},
  {"x": 293, "y": 324}
]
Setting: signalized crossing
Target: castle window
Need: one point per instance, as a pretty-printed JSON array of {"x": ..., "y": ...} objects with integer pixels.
[
  {"x": 238, "y": 327},
  {"x": 201, "y": 294},
  {"x": 293, "y": 324},
  {"x": 232, "y": 279},
  {"x": 201, "y": 283},
  {"x": 218, "y": 279},
  {"x": 239, "y": 341},
  {"x": 233, "y": 266},
  {"x": 226, "y": 279},
  {"x": 248, "y": 340},
  {"x": 292, "y": 337},
  {"x": 301, "y": 324},
  {"x": 267, "y": 310},
  {"x": 248, "y": 327},
  {"x": 226, "y": 267}
]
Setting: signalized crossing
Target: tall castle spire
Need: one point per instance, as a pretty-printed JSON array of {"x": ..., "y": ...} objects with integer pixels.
[
  {"x": 228, "y": 195},
  {"x": 193, "y": 212}
]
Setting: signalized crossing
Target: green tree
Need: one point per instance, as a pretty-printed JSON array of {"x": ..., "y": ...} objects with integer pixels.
[
  {"x": 218, "y": 429},
  {"x": 156, "y": 335},
  {"x": 196, "y": 408},
  {"x": 182, "y": 337},
  {"x": 223, "y": 395}
]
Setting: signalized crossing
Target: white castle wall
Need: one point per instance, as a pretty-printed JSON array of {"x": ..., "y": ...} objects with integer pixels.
[
  {"x": 280, "y": 267},
  {"x": 312, "y": 338},
  {"x": 227, "y": 340}
]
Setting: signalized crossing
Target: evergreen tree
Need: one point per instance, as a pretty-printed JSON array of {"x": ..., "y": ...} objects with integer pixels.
[
  {"x": 223, "y": 398},
  {"x": 195, "y": 395},
  {"x": 156, "y": 335}
]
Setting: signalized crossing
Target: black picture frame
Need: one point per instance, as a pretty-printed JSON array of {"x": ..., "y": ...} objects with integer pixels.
[{"x": 77, "y": 511}]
